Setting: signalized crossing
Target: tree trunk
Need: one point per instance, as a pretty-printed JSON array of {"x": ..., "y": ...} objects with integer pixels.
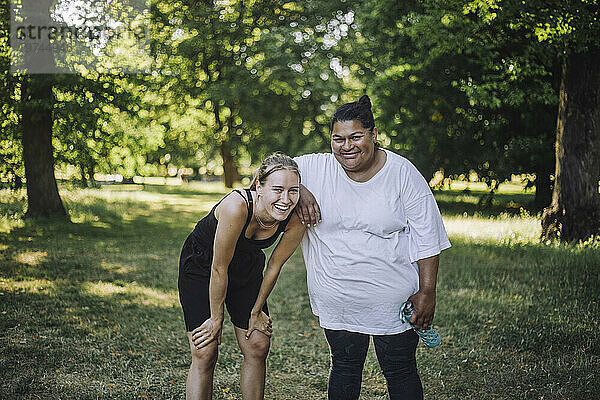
[
  {"x": 43, "y": 199},
  {"x": 230, "y": 171},
  {"x": 91, "y": 181},
  {"x": 574, "y": 213},
  {"x": 543, "y": 185},
  {"x": 83, "y": 182},
  {"x": 37, "y": 104}
]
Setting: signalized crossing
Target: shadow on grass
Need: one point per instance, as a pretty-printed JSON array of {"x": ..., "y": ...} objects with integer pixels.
[
  {"x": 500, "y": 309},
  {"x": 117, "y": 240},
  {"x": 87, "y": 306},
  {"x": 61, "y": 341}
]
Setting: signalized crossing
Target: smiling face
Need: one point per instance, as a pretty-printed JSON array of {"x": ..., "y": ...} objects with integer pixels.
[
  {"x": 353, "y": 145},
  {"x": 279, "y": 194}
]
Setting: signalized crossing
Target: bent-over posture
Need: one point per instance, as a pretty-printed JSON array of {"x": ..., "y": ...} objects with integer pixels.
[{"x": 221, "y": 265}]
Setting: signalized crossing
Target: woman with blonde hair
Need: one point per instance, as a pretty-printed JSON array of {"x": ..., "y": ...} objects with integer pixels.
[{"x": 221, "y": 264}]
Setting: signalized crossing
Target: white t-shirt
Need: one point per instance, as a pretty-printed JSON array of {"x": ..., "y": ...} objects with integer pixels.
[{"x": 361, "y": 260}]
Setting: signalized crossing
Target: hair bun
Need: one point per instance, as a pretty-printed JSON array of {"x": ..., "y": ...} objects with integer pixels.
[{"x": 364, "y": 101}]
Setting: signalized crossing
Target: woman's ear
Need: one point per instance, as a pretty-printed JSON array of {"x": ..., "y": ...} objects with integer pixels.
[
  {"x": 259, "y": 188},
  {"x": 374, "y": 133}
]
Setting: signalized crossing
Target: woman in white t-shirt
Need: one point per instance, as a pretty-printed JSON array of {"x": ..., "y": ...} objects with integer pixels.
[{"x": 377, "y": 246}]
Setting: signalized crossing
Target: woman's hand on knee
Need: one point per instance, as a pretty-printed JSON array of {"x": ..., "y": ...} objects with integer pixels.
[
  {"x": 207, "y": 332},
  {"x": 260, "y": 322}
]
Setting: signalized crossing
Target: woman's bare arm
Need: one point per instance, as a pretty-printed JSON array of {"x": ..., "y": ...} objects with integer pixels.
[
  {"x": 282, "y": 252},
  {"x": 231, "y": 215},
  {"x": 424, "y": 299}
]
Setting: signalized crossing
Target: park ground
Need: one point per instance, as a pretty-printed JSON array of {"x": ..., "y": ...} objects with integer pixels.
[{"x": 89, "y": 309}]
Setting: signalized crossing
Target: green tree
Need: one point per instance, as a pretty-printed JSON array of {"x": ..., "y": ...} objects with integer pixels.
[
  {"x": 474, "y": 85},
  {"x": 62, "y": 118},
  {"x": 574, "y": 213},
  {"x": 11, "y": 170},
  {"x": 458, "y": 93},
  {"x": 570, "y": 31},
  {"x": 258, "y": 68}
]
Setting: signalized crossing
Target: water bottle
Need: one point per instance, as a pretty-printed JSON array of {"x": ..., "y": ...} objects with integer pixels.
[{"x": 429, "y": 335}]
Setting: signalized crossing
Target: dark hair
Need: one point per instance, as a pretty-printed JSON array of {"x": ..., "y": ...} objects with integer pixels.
[
  {"x": 274, "y": 162},
  {"x": 359, "y": 110}
]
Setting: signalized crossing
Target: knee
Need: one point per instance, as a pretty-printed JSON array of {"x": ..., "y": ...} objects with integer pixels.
[
  {"x": 349, "y": 354},
  {"x": 397, "y": 354},
  {"x": 348, "y": 363},
  {"x": 204, "y": 359},
  {"x": 257, "y": 349}
]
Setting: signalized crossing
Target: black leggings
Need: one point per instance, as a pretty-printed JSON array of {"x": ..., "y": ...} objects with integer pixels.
[{"x": 396, "y": 356}]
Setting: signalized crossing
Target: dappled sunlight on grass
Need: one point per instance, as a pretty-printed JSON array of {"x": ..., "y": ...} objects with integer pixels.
[
  {"x": 133, "y": 293},
  {"x": 505, "y": 229},
  {"x": 13, "y": 205},
  {"x": 503, "y": 298},
  {"x": 140, "y": 194},
  {"x": 103, "y": 288},
  {"x": 190, "y": 188},
  {"x": 506, "y": 187},
  {"x": 117, "y": 268},
  {"x": 31, "y": 286},
  {"x": 101, "y": 207},
  {"x": 7, "y": 224},
  {"x": 109, "y": 206},
  {"x": 31, "y": 258},
  {"x": 479, "y": 203}
]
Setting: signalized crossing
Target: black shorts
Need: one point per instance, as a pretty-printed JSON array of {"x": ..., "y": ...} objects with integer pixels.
[{"x": 194, "y": 278}]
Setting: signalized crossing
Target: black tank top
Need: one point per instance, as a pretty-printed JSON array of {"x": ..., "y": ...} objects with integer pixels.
[{"x": 248, "y": 258}]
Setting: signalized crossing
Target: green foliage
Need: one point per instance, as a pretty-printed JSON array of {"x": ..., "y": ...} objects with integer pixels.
[
  {"x": 11, "y": 169},
  {"x": 230, "y": 82},
  {"x": 89, "y": 127},
  {"x": 571, "y": 25},
  {"x": 457, "y": 90},
  {"x": 261, "y": 69},
  {"x": 84, "y": 107}
]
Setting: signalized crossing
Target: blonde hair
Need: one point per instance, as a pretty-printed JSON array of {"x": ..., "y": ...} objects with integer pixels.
[{"x": 274, "y": 162}]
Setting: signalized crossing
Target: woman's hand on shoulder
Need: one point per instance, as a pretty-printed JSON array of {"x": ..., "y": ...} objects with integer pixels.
[
  {"x": 295, "y": 224},
  {"x": 308, "y": 209}
]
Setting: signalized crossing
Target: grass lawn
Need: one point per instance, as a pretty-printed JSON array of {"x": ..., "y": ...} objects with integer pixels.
[{"x": 90, "y": 309}]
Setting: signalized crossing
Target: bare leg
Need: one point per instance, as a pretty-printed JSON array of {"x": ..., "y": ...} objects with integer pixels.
[
  {"x": 199, "y": 385},
  {"x": 255, "y": 350}
]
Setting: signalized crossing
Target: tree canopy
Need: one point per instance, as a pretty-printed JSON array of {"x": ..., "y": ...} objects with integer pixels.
[{"x": 459, "y": 87}]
